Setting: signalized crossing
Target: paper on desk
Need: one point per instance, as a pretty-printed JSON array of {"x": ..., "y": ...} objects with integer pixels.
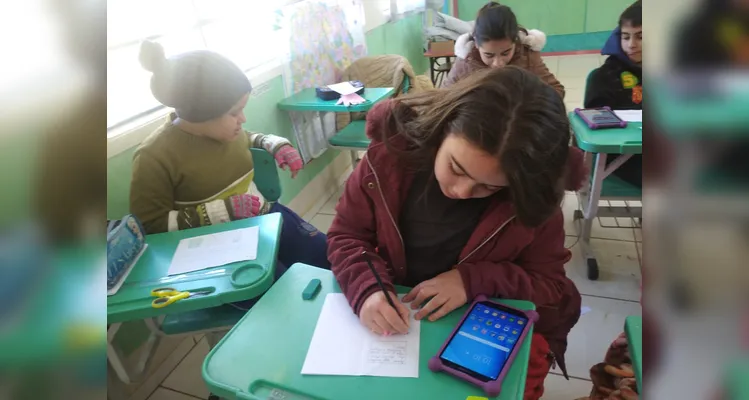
[
  {"x": 341, "y": 345},
  {"x": 214, "y": 250},
  {"x": 629, "y": 115},
  {"x": 343, "y": 88}
]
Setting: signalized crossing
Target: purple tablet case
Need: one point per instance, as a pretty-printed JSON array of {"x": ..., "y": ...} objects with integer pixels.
[
  {"x": 593, "y": 125},
  {"x": 491, "y": 388}
]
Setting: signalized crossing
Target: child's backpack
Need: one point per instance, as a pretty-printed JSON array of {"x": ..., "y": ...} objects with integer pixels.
[{"x": 125, "y": 241}]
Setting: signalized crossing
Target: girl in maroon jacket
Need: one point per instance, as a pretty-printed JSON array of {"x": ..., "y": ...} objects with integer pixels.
[{"x": 459, "y": 195}]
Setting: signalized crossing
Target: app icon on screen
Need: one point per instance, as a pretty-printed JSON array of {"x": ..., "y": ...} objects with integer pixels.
[
  {"x": 510, "y": 341},
  {"x": 501, "y": 338},
  {"x": 481, "y": 319},
  {"x": 514, "y": 332},
  {"x": 520, "y": 322},
  {"x": 483, "y": 331},
  {"x": 506, "y": 329},
  {"x": 475, "y": 327},
  {"x": 486, "y": 311},
  {"x": 472, "y": 316},
  {"x": 502, "y": 316},
  {"x": 512, "y": 319},
  {"x": 493, "y": 334},
  {"x": 497, "y": 326},
  {"x": 494, "y": 314},
  {"x": 489, "y": 323}
]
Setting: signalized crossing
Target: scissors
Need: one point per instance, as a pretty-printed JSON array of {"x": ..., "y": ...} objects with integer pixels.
[{"x": 166, "y": 296}]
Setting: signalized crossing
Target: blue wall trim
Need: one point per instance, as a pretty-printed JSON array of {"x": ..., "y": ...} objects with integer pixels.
[{"x": 576, "y": 42}]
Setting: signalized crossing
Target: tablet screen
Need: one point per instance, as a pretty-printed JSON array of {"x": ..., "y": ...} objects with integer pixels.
[
  {"x": 484, "y": 341},
  {"x": 600, "y": 117}
]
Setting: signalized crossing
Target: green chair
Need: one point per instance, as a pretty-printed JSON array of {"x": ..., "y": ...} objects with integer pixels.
[
  {"x": 220, "y": 319},
  {"x": 266, "y": 174},
  {"x": 353, "y": 136}
]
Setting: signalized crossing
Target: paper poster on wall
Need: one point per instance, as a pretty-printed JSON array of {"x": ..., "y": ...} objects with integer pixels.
[{"x": 325, "y": 37}]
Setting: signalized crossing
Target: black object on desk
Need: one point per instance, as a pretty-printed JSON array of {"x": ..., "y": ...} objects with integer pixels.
[{"x": 325, "y": 93}]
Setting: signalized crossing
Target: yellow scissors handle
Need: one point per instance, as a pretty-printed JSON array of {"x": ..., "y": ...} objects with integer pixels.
[
  {"x": 169, "y": 299},
  {"x": 164, "y": 292}
]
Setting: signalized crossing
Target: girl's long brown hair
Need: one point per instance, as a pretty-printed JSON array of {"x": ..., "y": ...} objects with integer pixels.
[{"x": 507, "y": 112}]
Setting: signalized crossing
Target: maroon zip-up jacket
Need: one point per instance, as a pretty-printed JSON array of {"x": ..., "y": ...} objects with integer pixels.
[{"x": 502, "y": 258}]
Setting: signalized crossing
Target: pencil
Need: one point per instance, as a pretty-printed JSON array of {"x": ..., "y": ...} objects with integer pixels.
[{"x": 379, "y": 280}]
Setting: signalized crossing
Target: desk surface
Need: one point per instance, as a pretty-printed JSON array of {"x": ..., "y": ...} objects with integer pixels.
[
  {"x": 611, "y": 141},
  {"x": 307, "y": 100},
  {"x": 437, "y": 54},
  {"x": 633, "y": 330},
  {"x": 133, "y": 300},
  {"x": 281, "y": 325}
]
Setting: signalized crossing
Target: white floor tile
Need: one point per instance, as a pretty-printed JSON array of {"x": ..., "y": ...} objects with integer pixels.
[
  {"x": 619, "y": 270},
  {"x": 329, "y": 207},
  {"x": 322, "y": 222},
  {"x": 154, "y": 378},
  {"x": 166, "y": 394},
  {"x": 552, "y": 63},
  {"x": 590, "y": 338},
  {"x": 572, "y": 227},
  {"x": 574, "y": 96},
  {"x": 577, "y": 65},
  {"x": 558, "y": 388},
  {"x": 187, "y": 377}
]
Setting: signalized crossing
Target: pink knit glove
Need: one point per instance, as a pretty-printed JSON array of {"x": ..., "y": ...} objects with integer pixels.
[
  {"x": 287, "y": 156},
  {"x": 244, "y": 206}
]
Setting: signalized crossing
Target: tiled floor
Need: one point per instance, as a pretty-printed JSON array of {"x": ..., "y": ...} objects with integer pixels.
[{"x": 614, "y": 296}]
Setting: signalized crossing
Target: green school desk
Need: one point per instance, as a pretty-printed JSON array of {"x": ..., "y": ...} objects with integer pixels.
[
  {"x": 352, "y": 137},
  {"x": 262, "y": 356},
  {"x": 307, "y": 101},
  {"x": 598, "y": 144},
  {"x": 133, "y": 300},
  {"x": 633, "y": 330}
]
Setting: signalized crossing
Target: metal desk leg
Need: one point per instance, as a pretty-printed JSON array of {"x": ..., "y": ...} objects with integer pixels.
[
  {"x": 115, "y": 358},
  {"x": 590, "y": 208},
  {"x": 590, "y": 199},
  {"x": 113, "y": 355},
  {"x": 432, "y": 62}
]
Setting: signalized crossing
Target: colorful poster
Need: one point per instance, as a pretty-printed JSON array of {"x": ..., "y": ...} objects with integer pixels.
[{"x": 325, "y": 37}]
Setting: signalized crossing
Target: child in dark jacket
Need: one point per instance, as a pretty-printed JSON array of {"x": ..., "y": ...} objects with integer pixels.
[
  {"x": 618, "y": 82},
  {"x": 459, "y": 195}
]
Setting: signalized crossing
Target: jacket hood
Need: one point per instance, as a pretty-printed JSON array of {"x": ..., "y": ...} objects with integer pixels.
[
  {"x": 613, "y": 47},
  {"x": 535, "y": 40}
]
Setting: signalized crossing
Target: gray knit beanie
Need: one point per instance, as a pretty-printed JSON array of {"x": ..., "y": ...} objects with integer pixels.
[{"x": 200, "y": 85}]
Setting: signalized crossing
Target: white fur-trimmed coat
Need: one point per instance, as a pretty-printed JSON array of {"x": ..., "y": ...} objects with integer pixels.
[{"x": 527, "y": 55}]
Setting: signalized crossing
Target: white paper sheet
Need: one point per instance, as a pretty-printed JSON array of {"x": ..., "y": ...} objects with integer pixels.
[
  {"x": 343, "y": 88},
  {"x": 214, "y": 250},
  {"x": 629, "y": 115},
  {"x": 341, "y": 345}
]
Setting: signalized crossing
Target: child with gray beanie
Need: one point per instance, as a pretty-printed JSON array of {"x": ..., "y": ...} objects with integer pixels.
[{"x": 196, "y": 169}]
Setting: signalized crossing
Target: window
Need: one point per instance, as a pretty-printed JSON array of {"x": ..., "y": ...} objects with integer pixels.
[
  {"x": 400, "y": 7},
  {"x": 247, "y": 32}
]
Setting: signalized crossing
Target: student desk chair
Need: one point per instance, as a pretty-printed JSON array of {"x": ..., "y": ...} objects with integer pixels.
[
  {"x": 208, "y": 314},
  {"x": 353, "y": 136},
  {"x": 262, "y": 356},
  {"x": 598, "y": 146}
]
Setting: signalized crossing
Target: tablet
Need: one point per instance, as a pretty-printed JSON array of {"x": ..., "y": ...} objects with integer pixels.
[
  {"x": 482, "y": 347},
  {"x": 598, "y": 118}
]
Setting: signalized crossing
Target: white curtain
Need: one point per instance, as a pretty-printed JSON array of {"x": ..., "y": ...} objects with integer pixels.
[
  {"x": 399, "y": 8},
  {"x": 325, "y": 37}
]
